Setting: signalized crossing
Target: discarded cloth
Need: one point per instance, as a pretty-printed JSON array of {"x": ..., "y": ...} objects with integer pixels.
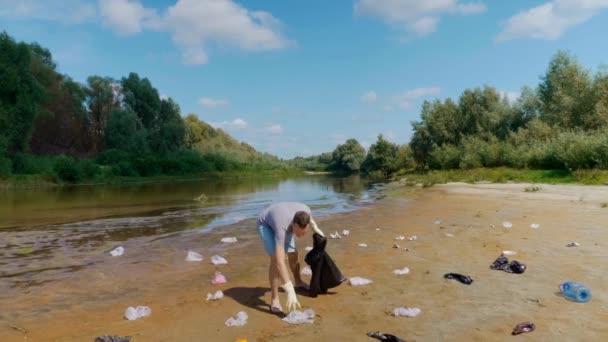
[
  {"x": 108, "y": 338},
  {"x": 502, "y": 263},
  {"x": 238, "y": 321},
  {"x": 384, "y": 337},
  {"x": 118, "y": 251},
  {"x": 216, "y": 296},
  {"x": 406, "y": 312},
  {"x": 193, "y": 256},
  {"x": 132, "y": 313},
  {"x": 523, "y": 327},
  {"x": 218, "y": 260},
  {"x": 218, "y": 278},
  {"x": 325, "y": 273},
  {"x": 300, "y": 317},
  {"x": 461, "y": 278},
  {"x": 358, "y": 281}
]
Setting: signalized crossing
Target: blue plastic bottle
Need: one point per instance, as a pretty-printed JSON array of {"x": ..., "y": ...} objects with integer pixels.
[{"x": 575, "y": 292}]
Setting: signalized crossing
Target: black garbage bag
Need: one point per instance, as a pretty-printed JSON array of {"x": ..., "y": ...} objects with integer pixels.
[
  {"x": 503, "y": 264},
  {"x": 325, "y": 273},
  {"x": 384, "y": 337}
]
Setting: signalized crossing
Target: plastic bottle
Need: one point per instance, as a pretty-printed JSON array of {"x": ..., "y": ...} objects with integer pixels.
[{"x": 575, "y": 291}]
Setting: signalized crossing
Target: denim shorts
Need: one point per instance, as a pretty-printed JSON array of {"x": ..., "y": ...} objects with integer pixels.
[{"x": 267, "y": 235}]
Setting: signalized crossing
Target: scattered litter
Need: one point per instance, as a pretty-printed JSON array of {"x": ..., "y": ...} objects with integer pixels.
[
  {"x": 229, "y": 240},
  {"x": 384, "y": 337},
  {"x": 300, "y": 317},
  {"x": 523, "y": 327},
  {"x": 218, "y": 260},
  {"x": 575, "y": 291},
  {"x": 492, "y": 226},
  {"x": 508, "y": 253},
  {"x": 335, "y": 235},
  {"x": 400, "y": 237},
  {"x": 132, "y": 313},
  {"x": 395, "y": 245},
  {"x": 502, "y": 263},
  {"x": 449, "y": 235},
  {"x": 437, "y": 221},
  {"x": 345, "y": 232},
  {"x": 535, "y": 226},
  {"x": 413, "y": 238},
  {"x": 362, "y": 245},
  {"x": 406, "y": 312},
  {"x": 218, "y": 278},
  {"x": 239, "y": 321},
  {"x": 507, "y": 224},
  {"x": 193, "y": 256},
  {"x": 406, "y": 249},
  {"x": 306, "y": 271},
  {"x": 377, "y": 229},
  {"x": 404, "y": 270},
  {"x": 308, "y": 248},
  {"x": 118, "y": 251},
  {"x": 215, "y": 296},
  {"x": 461, "y": 278},
  {"x": 573, "y": 244},
  {"x": 357, "y": 281},
  {"x": 108, "y": 338}
]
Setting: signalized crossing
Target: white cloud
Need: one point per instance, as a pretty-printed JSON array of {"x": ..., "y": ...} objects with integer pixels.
[
  {"x": 369, "y": 97},
  {"x": 417, "y": 17},
  {"x": 229, "y": 125},
  {"x": 274, "y": 129},
  {"x": 406, "y": 99},
  {"x": 212, "y": 103},
  {"x": 126, "y": 16},
  {"x": 550, "y": 20},
  {"x": 66, "y": 11}
]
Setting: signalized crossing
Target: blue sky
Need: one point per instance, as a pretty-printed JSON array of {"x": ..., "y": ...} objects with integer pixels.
[{"x": 300, "y": 77}]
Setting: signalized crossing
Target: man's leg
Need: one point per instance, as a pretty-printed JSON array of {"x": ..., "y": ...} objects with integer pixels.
[
  {"x": 294, "y": 264},
  {"x": 273, "y": 276}
]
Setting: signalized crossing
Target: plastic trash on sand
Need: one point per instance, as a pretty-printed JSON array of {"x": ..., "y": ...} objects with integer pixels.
[
  {"x": 112, "y": 338},
  {"x": 218, "y": 260},
  {"x": 449, "y": 235},
  {"x": 132, "y": 313},
  {"x": 358, "y": 281},
  {"x": 406, "y": 312},
  {"x": 118, "y": 251},
  {"x": 193, "y": 256},
  {"x": 508, "y": 253},
  {"x": 395, "y": 245},
  {"x": 306, "y": 271},
  {"x": 575, "y": 292},
  {"x": 535, "y": 226},
  {"x": 362, "y": 245},
  {"x": 573, "y": 244},
  {"x": 402, "y": 271},
  {"x": 300, "y": 317},
  {"x": 229, "y": 239},
  {"x": 335, "y": 235},
  {"x": 400, "y": 237},
  {"x": 377, "y": 229},
  {"x": 345, "y": 232},
  {"x": 308, "y": 248},
  {"x": 507, "y": 224},
  {"x": 437, "y": 221},
  {"x": 413, "y": 238},
  {"x": 215, "y": 296},
  {"x": 218, "y": 278},
  {"x": 238, "y": 321}
]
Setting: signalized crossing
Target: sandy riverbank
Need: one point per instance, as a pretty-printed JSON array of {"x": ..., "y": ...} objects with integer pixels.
[{"x": 487, "y": 310}]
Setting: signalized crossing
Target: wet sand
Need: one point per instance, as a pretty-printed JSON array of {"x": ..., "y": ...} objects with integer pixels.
[{"x": 93, "y": 302}]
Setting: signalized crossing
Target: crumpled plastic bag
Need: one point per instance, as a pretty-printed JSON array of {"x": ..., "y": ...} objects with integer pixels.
[
  {"x": 400, "y": 237},
  {"x": 229, "y": 240},
  {"x": 362, "y": 245},
  {"x": 507, "y": 224},
  {"x": 238, "y": 321},
  {"x": 335, "y": 235},
  {"x": 406, "y": 312},
  {"x": 193, "y": 256},
  {"x": 345, "y": 232},
  {"x": 300, "y": 317},
  {"x": 132, "y": 313},
  {"x": 306, "y": 270},
  {"x": 402, "y": 271},
  {"x": 535, "y": 226},
  {"x": 308, "y": 248},
  {"x": 118, "y": 251},
  {"x": 216, "y": 296},
  {"x": 218, "y": 278},
  {"x": 218, "y": 260},
  {"x": 358, "y": 281}
]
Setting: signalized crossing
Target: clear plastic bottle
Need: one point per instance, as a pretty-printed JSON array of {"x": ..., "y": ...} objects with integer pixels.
[{"x": 575, "y": 291}]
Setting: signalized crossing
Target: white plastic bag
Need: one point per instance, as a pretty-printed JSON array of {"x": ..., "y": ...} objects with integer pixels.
[
  {"x": 508, "y": 253},
  {"x": 300, "y": 317},
  {"x": 308, "y": 248},
  {"x": 229, "y": 240},
  {"x": 535, "y": 226},
  {"x": 362, "y": 245},
  {"x": 335, "y": 235},
  {"x": 345, "y": 232},
  {"x": 406, "y": 312},
  {"x": 400, "y": 237},
  {"x": 239, "y": 321},
  {"x": 216, "y": 296},
  {"x": 118, "y": 251},
  {"x": 358, "y": 281},
  {"x": 218, "y": 260},
  {"x": 507, "y": 224},
  {"x": 193, "y": 256},
  {"x": 132, "y": 313},
  {"x": 306, "y": 271},
  {"x": 413, "y": 238},
  {"x": 402, "y": 271}
]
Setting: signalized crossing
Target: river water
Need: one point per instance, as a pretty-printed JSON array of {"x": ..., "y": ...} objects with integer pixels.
[{"x": 49, "y": 235}]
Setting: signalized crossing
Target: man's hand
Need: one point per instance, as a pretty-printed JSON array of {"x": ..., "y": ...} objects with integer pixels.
[{"x": 292, "y": 301}]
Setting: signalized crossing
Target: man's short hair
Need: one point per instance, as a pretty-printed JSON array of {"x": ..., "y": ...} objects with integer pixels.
[{"x": 302, "y": 219}]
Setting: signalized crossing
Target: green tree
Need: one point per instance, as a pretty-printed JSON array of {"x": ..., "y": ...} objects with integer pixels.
[
  {"x": 381, "y": 157},
  {"x": 169, "y": 134},
  {"x": 102, "y": 96},
  {"x": 143, "y": 99},
  {"x": 348, "y": 157},
  {"x": 124, "y": 132}
]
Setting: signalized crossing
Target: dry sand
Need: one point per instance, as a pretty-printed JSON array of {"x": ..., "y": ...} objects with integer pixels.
[{"x": 93, "y": 303}]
